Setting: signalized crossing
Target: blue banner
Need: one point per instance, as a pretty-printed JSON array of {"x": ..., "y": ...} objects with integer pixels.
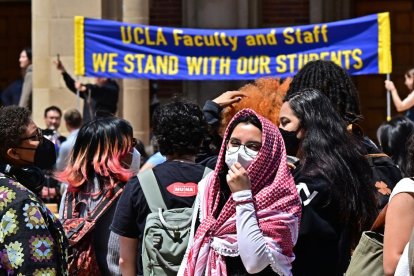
[{"x": 114, "y": 49}]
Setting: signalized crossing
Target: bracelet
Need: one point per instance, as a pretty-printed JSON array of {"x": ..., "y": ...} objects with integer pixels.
[{"x": 244, "y": 201}]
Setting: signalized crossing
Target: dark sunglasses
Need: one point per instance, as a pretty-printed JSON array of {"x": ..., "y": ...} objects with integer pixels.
[{"x": 37, "y": 136}]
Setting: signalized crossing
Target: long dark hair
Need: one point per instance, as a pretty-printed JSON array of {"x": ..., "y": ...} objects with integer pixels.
[
  {"x": 410, "y": 73},
  {"x": 410, "y": 156},
  {"x": 328, "y": 150},
  {"x": 28, "y": 51},
  {"x": 334, "y": 82},
  {"x": 392, "y": 137}
]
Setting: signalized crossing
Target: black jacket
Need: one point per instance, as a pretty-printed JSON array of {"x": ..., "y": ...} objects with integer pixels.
[{"x": 103, "y": 99}]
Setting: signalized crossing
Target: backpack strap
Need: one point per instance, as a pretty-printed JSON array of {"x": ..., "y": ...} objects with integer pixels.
[
  {"x": 370, "y": 157},
  {"x": 69, "y": 205},
  {"x": 152, "y": 192},
  {"x": 379, "y": 222},
  {"x": 106, "y": 202},
  {"x": 411, "y": 254},
  {"x": 374, "y": 155}
]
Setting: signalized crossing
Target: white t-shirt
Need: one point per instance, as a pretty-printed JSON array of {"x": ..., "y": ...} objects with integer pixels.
[{"x": 405, "y": 185}]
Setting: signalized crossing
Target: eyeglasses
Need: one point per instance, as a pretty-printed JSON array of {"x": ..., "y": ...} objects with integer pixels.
[
  {"x": 38, "y": 136},
  {"x": 234, "y": 145}
]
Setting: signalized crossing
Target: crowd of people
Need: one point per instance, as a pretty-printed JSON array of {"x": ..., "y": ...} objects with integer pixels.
[{"x": 275, "y": 178}]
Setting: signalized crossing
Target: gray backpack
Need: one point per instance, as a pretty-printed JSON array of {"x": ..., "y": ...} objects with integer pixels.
[{"x": 166, "y": 233}]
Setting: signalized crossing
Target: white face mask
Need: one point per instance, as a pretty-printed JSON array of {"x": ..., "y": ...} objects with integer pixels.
[
  {"x": 136, "y": 162},
  {"x": 241, "y": 156}
]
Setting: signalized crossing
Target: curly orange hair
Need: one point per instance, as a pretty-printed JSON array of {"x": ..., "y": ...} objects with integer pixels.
[{"x": 265, "y": 96}]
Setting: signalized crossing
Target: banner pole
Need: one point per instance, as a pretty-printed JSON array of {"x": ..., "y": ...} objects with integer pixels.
[
  {"x": 78, "y": 96},
  {"x": 79, "y": 44},
  {"x": 388, "y": 101}
]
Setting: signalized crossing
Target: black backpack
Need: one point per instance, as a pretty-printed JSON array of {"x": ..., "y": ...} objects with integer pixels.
[{"x": 386, "y": 175}]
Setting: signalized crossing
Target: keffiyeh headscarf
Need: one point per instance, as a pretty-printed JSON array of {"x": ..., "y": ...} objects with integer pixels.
[{"x": 277, "y": 207}]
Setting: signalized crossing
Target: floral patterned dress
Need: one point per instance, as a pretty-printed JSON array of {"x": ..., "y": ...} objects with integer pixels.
[{"x": 32, "y": 240}]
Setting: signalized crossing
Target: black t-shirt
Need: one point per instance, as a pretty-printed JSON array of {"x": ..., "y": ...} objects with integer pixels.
[
  {"x": 132, "y": 209},
  {"x": 323, "y": 244}
]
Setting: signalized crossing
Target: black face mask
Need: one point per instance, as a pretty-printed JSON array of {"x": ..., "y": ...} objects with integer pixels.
[
  {"x": 291, "y": 141},
  {"x": 45, "y": 155}
]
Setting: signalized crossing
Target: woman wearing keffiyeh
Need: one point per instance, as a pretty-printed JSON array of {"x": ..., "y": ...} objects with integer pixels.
[{"x": 249, "y": 208}]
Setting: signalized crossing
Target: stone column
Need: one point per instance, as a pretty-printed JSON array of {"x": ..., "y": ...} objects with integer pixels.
[
  {"x": 135, "y": 96},
  {"x": 41, "y": 49},
  {"x": 52, "y": 34},
  {"x": 322, "y": 11}
]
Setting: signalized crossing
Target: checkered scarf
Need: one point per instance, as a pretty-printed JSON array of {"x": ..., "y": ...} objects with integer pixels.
[{"x": 277, "y": 205}]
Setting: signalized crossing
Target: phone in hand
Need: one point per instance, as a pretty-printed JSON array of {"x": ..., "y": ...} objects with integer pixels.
[{"x": 58, "y": 58}]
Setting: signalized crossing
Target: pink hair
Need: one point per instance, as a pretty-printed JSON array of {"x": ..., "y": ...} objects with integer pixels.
[{"x": 106, "y": 164}]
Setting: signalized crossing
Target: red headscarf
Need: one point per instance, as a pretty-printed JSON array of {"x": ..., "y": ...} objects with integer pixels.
[{"x": 277, "y": 206}]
